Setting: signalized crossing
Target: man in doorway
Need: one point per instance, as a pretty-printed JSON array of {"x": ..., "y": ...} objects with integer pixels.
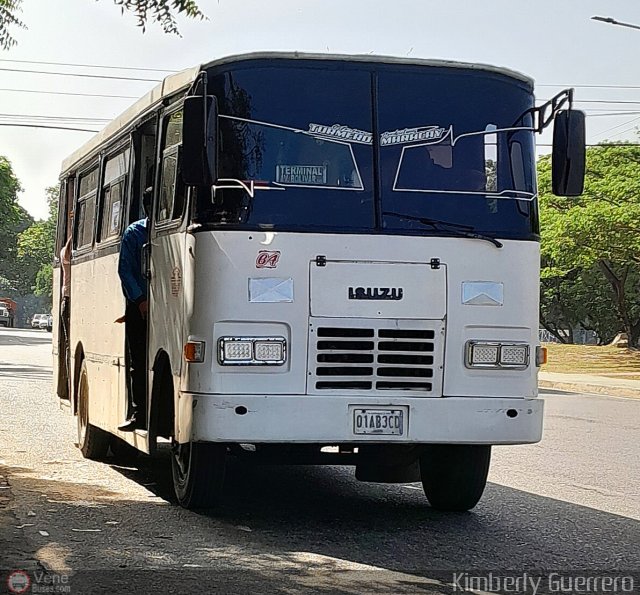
[
  {"x": 134, "y": 287},
  {"x": 65, "y": 312}
]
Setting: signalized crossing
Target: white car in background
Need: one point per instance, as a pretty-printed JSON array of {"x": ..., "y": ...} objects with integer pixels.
[
  {"x": 46, "y": 322},
  {"x": 35, "y": 321}
]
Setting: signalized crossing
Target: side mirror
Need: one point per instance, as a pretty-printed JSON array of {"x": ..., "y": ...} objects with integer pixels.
[
  {"x": 199, "y": 135},
  {"x": 569, "y": 153}
]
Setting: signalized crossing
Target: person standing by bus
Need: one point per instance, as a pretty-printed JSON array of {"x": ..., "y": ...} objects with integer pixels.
[
  {"x": 65, "y": 263},
  {"x": 134, "y": 287}
]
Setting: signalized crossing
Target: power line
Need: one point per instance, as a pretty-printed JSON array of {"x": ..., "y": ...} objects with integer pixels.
[
  {"x": 619, "y": 125},
  {"x": 605, "y": 101},
  {"x": 74, "y": 94},
  {"x": 616, "y": 101},
  {"x": 49, "y": 127},
  {"x": 46, "y": 117},
  {"x": 613, "y": 114},
  {"x": 592, "y": 86},
  {"x": 601, "y": 144},
  {"x": 92, "y": 76},
  {"x": 88, "y": 65},
  {"x": 626, "y": 129}
]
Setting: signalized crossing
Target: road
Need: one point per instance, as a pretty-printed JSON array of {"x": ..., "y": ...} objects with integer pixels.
[{"x": 571, "y": 503}]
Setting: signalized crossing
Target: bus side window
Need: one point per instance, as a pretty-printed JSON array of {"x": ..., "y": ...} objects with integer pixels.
[
  {"x": 171, "y": 198},
  {"x": 113, "y": 193},
  {"x": 85, "y": 209},
  {"x": 61, "y": 231}
]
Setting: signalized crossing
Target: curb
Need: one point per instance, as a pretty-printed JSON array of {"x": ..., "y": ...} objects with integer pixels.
[{"x": 611, "y": 391}]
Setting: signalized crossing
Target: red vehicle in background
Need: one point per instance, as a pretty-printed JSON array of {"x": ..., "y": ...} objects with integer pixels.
[{"x": 8, "y": 309}]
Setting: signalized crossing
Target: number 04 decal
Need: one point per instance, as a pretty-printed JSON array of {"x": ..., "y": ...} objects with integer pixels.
[{"x": 267, "y": 259}]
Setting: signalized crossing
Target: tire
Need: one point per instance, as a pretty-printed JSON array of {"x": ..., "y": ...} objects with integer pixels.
[
  {"x": 454, "y": 475},
  {"x": 92, "y": 441},
  {"x": 198, "y": 470}
]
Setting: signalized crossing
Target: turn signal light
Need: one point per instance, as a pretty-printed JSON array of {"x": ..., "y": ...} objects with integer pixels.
[
  {"x": 194, "y": 351},
  {"x": 541, "y": 355}
]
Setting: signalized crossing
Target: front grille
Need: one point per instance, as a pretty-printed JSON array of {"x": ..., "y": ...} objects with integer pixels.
[{"x": 375, "y": 357}]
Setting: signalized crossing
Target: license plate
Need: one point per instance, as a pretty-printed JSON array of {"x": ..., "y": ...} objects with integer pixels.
[{"x": 385, "y": 422}]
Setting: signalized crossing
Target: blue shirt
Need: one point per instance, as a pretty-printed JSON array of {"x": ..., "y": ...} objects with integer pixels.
[{"x": 134, "y": 284}]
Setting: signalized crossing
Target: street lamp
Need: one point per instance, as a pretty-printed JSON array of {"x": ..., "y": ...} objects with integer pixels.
[{"x": 612, "y": 21}]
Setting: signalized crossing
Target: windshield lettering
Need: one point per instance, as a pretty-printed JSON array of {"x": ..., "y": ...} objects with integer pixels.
[
  {"x": 301, "y": 174},
  {"x": 342, "y": 132},
  {"x": 412, "y": 135}
]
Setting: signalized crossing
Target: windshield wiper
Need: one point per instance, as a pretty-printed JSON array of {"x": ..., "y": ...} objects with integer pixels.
[{"x": 457, "y": 229}]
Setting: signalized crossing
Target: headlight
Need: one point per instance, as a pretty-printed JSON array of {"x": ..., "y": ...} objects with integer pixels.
[
  {"x": 251, "y": 351},
  {"x": 485, "y": 354},
  {"x": 236, "y": 350}
]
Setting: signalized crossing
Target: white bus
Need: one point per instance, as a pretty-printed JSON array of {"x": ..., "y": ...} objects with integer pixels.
[{"x": 342, "y": 264}]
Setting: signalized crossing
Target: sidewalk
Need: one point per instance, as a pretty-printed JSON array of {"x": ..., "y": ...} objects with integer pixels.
[{"x": 586, "y": 383}]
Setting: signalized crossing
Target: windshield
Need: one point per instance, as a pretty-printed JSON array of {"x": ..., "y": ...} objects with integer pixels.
[
  {"x": 276, "y": 168},
  {"x": 308, "y": 148}
]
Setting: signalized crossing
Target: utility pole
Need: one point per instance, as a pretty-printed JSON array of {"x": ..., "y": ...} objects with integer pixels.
[{"x": 612, "y": 21}]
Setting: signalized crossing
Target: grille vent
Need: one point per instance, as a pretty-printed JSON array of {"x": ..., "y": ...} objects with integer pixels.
[{"x": 374, "y": 359}]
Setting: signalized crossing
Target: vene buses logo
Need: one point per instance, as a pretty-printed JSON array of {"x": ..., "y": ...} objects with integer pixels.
[
  {"x": 18, "y": 582},
  {"x": 267, "y": 259}
]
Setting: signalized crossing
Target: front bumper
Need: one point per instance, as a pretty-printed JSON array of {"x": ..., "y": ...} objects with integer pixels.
[{"x": 329, "y": 419}]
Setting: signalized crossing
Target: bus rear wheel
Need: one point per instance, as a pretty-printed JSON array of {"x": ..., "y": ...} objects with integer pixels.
[
  {"x": 454, "y": 475},
  {"x": 92, "y": 441},
  {"x": 198, "y": 473}
]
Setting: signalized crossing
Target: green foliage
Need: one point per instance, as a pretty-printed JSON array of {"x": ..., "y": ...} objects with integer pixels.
[
  {"x": 44, "y": 282},
  {"x": 8, "y": 18},
  {"x": 36, "y": 247},
  {"x": 13, "y": 220},
  {"x": 159, "y": 11},
  {"x": 591, "y": 246}
]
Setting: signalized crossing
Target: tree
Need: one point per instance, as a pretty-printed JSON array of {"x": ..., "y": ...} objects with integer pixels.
[
  {"x": 13, "y": 220},
  {"x": 35, "y": 251},
  {"x": 160, "y": 11},
  {"x": 598, "y": 232}
]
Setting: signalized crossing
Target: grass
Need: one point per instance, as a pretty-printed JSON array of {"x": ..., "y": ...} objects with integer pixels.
[{"x": 615, "y": 362}]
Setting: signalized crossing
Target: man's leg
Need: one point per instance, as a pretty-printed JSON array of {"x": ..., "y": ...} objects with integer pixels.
[
  {"x": 63, "y": 374},
  {"x": 136, "y": 333}
]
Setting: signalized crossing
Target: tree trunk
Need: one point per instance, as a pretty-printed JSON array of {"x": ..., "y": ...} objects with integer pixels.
[
  {"x": 634, "y": 337},
  {"x": 618, "y": 286}
]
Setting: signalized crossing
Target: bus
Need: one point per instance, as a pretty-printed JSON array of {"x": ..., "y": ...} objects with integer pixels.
[{"x": 342, "y": 267}]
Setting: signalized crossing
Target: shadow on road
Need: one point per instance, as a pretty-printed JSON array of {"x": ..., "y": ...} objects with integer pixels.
[
  {"x": 310, "y": 530},
  {"x": 25, "y": 337},
  {"x": 25, "y": 372},
  {"x": 327, "y": 511}
]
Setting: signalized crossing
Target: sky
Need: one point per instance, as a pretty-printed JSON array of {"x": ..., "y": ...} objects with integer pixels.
[{"x": 554, "y": 41}]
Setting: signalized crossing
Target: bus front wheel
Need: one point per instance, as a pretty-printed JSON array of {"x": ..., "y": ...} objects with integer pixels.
[
  {"x": 92, "y": 441},
  {"x": 198, "y": 473},
  {"x": 454, "y": 475}
]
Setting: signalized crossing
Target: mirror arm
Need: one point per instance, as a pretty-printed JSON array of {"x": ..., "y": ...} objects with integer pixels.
[{"x": 555, "y": 104}]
